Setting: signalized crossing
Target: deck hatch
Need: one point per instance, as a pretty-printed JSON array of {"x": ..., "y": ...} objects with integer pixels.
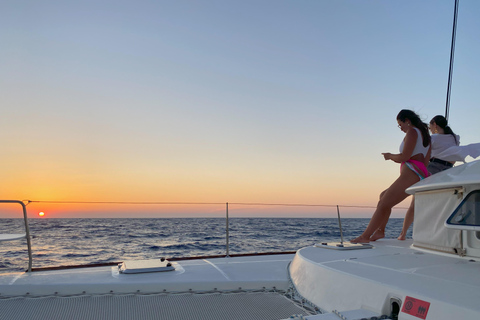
[{"x": 144, "y": 266}]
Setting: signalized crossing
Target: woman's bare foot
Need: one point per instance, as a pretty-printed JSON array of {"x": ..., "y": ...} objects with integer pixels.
[
  {"x": 360, "y": 239},
  {"x": 378, "y": 234},
  {"x": 401, "y": 236}
]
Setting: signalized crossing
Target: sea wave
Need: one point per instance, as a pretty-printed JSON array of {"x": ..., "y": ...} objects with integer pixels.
[{"x": 60, "y": 242}]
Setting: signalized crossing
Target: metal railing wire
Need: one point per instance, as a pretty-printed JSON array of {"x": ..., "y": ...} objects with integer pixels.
[
  {"x": 202, "y": 203},
  {"x": 24, "y": 203}
]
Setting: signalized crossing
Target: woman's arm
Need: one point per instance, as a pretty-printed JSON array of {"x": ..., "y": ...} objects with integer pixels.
[{"x": 408, "y": 146}]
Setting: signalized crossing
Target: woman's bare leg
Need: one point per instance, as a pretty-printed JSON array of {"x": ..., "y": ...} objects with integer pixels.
[
  {"x": 407, "y": 222},
  {"x": 380, "y": 232},
  {"x": 392, "y": 196}
]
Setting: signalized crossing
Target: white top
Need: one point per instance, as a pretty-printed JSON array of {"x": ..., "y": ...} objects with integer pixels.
[
  {"x": 419, "y": 148},
  {"x": 441, "y": 142},
  {"x": 445, "y": 148}
]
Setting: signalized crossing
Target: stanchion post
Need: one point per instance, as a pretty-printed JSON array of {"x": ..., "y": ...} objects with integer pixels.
[
  {"x": 340, "y": 226},
  {"x": 227, "y": 233}
]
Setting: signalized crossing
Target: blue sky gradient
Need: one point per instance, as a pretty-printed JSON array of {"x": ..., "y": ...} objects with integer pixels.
[{"x": 216, "y": 101}]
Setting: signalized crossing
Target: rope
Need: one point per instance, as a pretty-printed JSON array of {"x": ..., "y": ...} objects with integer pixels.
[
  {"x": 297, "y": 317},
  {"x": 146, "y": 294},
  {"x": 201, "y": 203},
  {"x": 122, "y": 202}
]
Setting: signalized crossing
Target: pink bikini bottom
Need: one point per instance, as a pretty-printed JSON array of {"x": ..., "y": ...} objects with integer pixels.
[{"x": 418, "y": 167}]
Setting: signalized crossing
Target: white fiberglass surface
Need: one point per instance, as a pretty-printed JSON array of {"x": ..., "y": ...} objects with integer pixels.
[{"x": 202, "y": 274}]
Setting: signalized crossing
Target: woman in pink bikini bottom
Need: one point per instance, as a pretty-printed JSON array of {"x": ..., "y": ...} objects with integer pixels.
[{"x": 414, "y": 156}]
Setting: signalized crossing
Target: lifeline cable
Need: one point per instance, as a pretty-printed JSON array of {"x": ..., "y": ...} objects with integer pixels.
[{"x": 201, "y": 203}]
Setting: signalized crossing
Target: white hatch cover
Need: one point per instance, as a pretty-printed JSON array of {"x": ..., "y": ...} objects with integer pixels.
[{"x": 143, "y": 266}]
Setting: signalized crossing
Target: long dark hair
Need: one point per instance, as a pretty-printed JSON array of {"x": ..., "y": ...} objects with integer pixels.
[
  {"x": 443, "y": 123},
  {"x": 416, "y": 122}
]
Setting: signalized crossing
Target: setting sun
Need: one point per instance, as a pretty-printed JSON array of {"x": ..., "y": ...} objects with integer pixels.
[{"x": 41, "y": 214}]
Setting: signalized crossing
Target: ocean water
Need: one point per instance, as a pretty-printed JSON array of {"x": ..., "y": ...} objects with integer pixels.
[{"x": 62, "y": 242}]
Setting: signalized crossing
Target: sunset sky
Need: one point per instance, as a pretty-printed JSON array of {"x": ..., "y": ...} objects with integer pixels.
[{"x": 222, "y": 101}]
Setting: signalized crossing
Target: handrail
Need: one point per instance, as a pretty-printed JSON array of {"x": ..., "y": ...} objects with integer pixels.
[{"x": 27, "y": 230}]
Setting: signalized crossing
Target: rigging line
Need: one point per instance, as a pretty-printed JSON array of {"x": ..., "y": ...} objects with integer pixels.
[
  {"x": 202, "y": 203},
  {"x": 120, "y": 202},
  {"x": 452, "y": 52},
  {"x": 297, "y": 205},
  {"x": 309, "y": 205}
]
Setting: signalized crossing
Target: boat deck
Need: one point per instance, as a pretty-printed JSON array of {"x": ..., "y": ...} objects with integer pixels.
[
  {"x": 251, "y": 287},
  {"x": 212, "y": 306},
  {"x": 441, "y": 283},
  {"x": 266, "y": 272}
]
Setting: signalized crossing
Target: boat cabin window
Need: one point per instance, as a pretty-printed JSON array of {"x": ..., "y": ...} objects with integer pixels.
[{"x": 467, "y": 214}]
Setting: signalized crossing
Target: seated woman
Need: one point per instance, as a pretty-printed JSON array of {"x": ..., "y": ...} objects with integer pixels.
[
  {"x": 443, "y": 138},
  {"x": 443, "y": 142},
  {"x": 414, "y": 156}
]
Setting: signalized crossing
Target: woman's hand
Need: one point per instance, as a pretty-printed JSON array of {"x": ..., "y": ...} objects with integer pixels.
[{"x": 387, "y": 156}]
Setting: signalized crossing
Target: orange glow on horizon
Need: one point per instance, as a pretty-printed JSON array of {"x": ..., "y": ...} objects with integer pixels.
[{"x": 41, "y": 214}]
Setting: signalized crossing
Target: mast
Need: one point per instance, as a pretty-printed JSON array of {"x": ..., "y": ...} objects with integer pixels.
[{"x": 452, "y": 51}]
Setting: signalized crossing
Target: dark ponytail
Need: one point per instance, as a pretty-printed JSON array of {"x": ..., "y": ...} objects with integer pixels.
[
  {"x": 417, "y": 123},
  {"x": 443, "y": 123}
]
